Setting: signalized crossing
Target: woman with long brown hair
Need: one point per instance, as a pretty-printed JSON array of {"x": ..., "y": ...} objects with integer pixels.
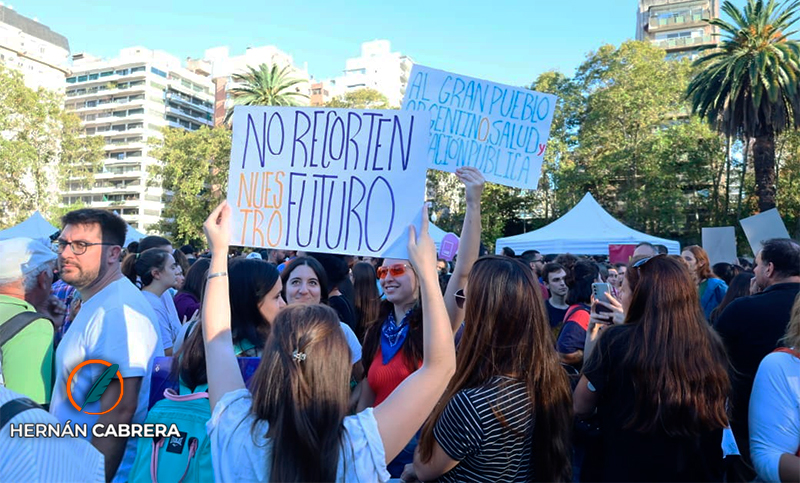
[
  {"x": 506, "y": 415},
  {"x": 711, "y": 289},
  {"x": 659, "y": 382},
  {"x": 367, "y": 297},
  {"x": 294, "y": 427}
]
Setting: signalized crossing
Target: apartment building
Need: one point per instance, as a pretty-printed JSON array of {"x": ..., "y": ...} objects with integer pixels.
[
  {"x": 41, "y": 55},
  {"x": 128, "y": 100},
  {"x": 376, "y": 68},
  {"x": 222, "y": 66},
  {"x": 677, "y": 26}
]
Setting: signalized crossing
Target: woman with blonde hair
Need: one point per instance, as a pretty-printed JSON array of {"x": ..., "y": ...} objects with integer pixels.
[
  {"x": 774, "y": 412},
  {"x": 294, "y": 425}
]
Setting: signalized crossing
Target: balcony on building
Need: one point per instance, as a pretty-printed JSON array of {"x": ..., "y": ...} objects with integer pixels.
[
  {"x": 677, "y": 19},
  {"x": 681, "y": 43}
]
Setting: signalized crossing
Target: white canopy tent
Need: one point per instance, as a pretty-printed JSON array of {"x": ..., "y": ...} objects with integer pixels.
[
  {"x": 133, "y": 235},
  {"x": 587, "y": 229},
  {"x": 437, "y": 234},
  {"x": 35, "y": 227}
]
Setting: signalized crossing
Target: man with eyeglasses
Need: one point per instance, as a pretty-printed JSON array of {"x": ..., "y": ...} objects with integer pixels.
[{"x": 115, "y": 324}]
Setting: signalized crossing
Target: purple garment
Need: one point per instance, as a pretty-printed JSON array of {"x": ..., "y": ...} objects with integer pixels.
[{"x": 186, "y": 304}]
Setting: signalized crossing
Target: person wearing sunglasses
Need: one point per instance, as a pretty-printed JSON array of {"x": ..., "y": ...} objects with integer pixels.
[
  {"x": 393, "y": 342},
  {"x": 659, "y": 383}
]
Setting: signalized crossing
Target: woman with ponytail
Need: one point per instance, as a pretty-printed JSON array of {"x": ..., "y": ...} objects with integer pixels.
[{"x": 154, "y": 271}]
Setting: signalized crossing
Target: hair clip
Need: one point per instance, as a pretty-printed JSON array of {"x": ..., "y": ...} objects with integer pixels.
[{"x": 298, "y": 356}]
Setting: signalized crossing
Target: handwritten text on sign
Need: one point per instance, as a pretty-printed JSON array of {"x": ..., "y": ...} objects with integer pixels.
[
  {"x": 501, "y": 130},
  {"x": 325, "y": 180}
]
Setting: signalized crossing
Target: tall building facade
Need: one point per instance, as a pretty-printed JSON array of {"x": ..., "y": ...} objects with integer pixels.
[
  {"x": 41, "y": 55},
  {"x": 677, "y": 26},
  {"x": 223, "y": 66},
  {"x": 128, "y": 100},
  {"x": 377, "y": 68}
]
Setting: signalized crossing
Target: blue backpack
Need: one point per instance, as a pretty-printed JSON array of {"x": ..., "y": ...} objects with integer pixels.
[{"x": 177, "y": 459}]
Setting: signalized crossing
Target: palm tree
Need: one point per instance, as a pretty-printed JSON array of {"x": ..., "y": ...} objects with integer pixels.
[
  {"x": 748, "y": 86},
  {"x": 265, "y": 86}
]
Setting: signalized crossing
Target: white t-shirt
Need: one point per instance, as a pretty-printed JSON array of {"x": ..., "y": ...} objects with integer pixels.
[
  {"x": 167, "y": 325},
  {"x": 172, "y": 312},
  {"x": 352, "y": 341},
  {"x": 45, "y": 459},
  {"x": 117, "y": 326},
  {"x": 774, "y": 413},
  {"x": 239, "y": 455}
]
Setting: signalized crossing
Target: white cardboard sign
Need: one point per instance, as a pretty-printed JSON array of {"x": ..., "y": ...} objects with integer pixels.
[
  {"x": 720, "y": 244},
  {"x": 762, "y": 227},
  {"x": 327, "y": 180},
  {"x": 500, "y": 130}
]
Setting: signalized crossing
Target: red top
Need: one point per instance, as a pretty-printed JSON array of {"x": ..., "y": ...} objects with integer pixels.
[{"x": 383, "y": 379}]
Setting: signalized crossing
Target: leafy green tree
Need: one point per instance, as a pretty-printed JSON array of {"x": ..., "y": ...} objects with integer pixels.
[
  {"x": 365, "y": 98},
  {"x": 266, "y": 86},
  {"x": 194, "y": 168},
  {"x": 42, "y": 149},
  {"x": 749, "y": 86}
]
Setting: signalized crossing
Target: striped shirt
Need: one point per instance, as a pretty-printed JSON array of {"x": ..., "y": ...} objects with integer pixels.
[
  {"x": 45, "y": 459},
  {"x": 488, "y": 450}
]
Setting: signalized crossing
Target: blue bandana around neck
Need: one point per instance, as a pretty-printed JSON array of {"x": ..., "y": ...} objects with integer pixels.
[{"x": 393, "y": 336}]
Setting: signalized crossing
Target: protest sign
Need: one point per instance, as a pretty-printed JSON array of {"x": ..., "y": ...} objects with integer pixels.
[
  {"x": 327, "y": 180},
  {"x": 720, "y": 244},
  {"x": 448, "y": 249},
  {"x": 762, "y": 227},
  {"x": 620, "y": 253},
  {"x": 498, "y": 129}
]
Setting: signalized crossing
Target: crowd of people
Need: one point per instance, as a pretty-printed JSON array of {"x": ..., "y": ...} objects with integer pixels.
[{"x": 488, "y": 368}]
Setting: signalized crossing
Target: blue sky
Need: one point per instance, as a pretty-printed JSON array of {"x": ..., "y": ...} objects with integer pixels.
[{"x": 504, "y": 41}]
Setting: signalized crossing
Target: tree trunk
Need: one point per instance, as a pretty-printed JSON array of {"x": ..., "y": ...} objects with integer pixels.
[
  {"x": 764, "y": 167},
  {"x": 727, "y": 177},
  {"x": 745, "y": 160}
]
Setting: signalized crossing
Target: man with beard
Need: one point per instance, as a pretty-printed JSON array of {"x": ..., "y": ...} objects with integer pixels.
[{"x": 115, "y": 325}]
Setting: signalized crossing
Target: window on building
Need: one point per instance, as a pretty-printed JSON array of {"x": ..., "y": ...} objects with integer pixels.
[
  {"x": 141, "y": 68},
  {"x": 120, "y": 113},
  {"x": 91, "y": 103},
  {"x": 135, "y": 112},
  {"x": 118, "y": 127},
  {"x": 93, "y": 76},
  {"x": 172, "y": 119},
  {"x": 90, "y": 131},
  {"x": 82, "y": 78},
  {"x": 135, "y": 125},
  {"x": 158, "y": 72},
  {"x": 71, "y": 80},
  {"x": 137, "y": 97},
  {"x": 136, "y": 83},
  {"x": 121, "y": 72},
  {"x": 107, "y": 73}
]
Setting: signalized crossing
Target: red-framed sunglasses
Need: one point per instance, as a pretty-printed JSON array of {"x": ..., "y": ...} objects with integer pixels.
[{"x": 397, "y": 270}]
